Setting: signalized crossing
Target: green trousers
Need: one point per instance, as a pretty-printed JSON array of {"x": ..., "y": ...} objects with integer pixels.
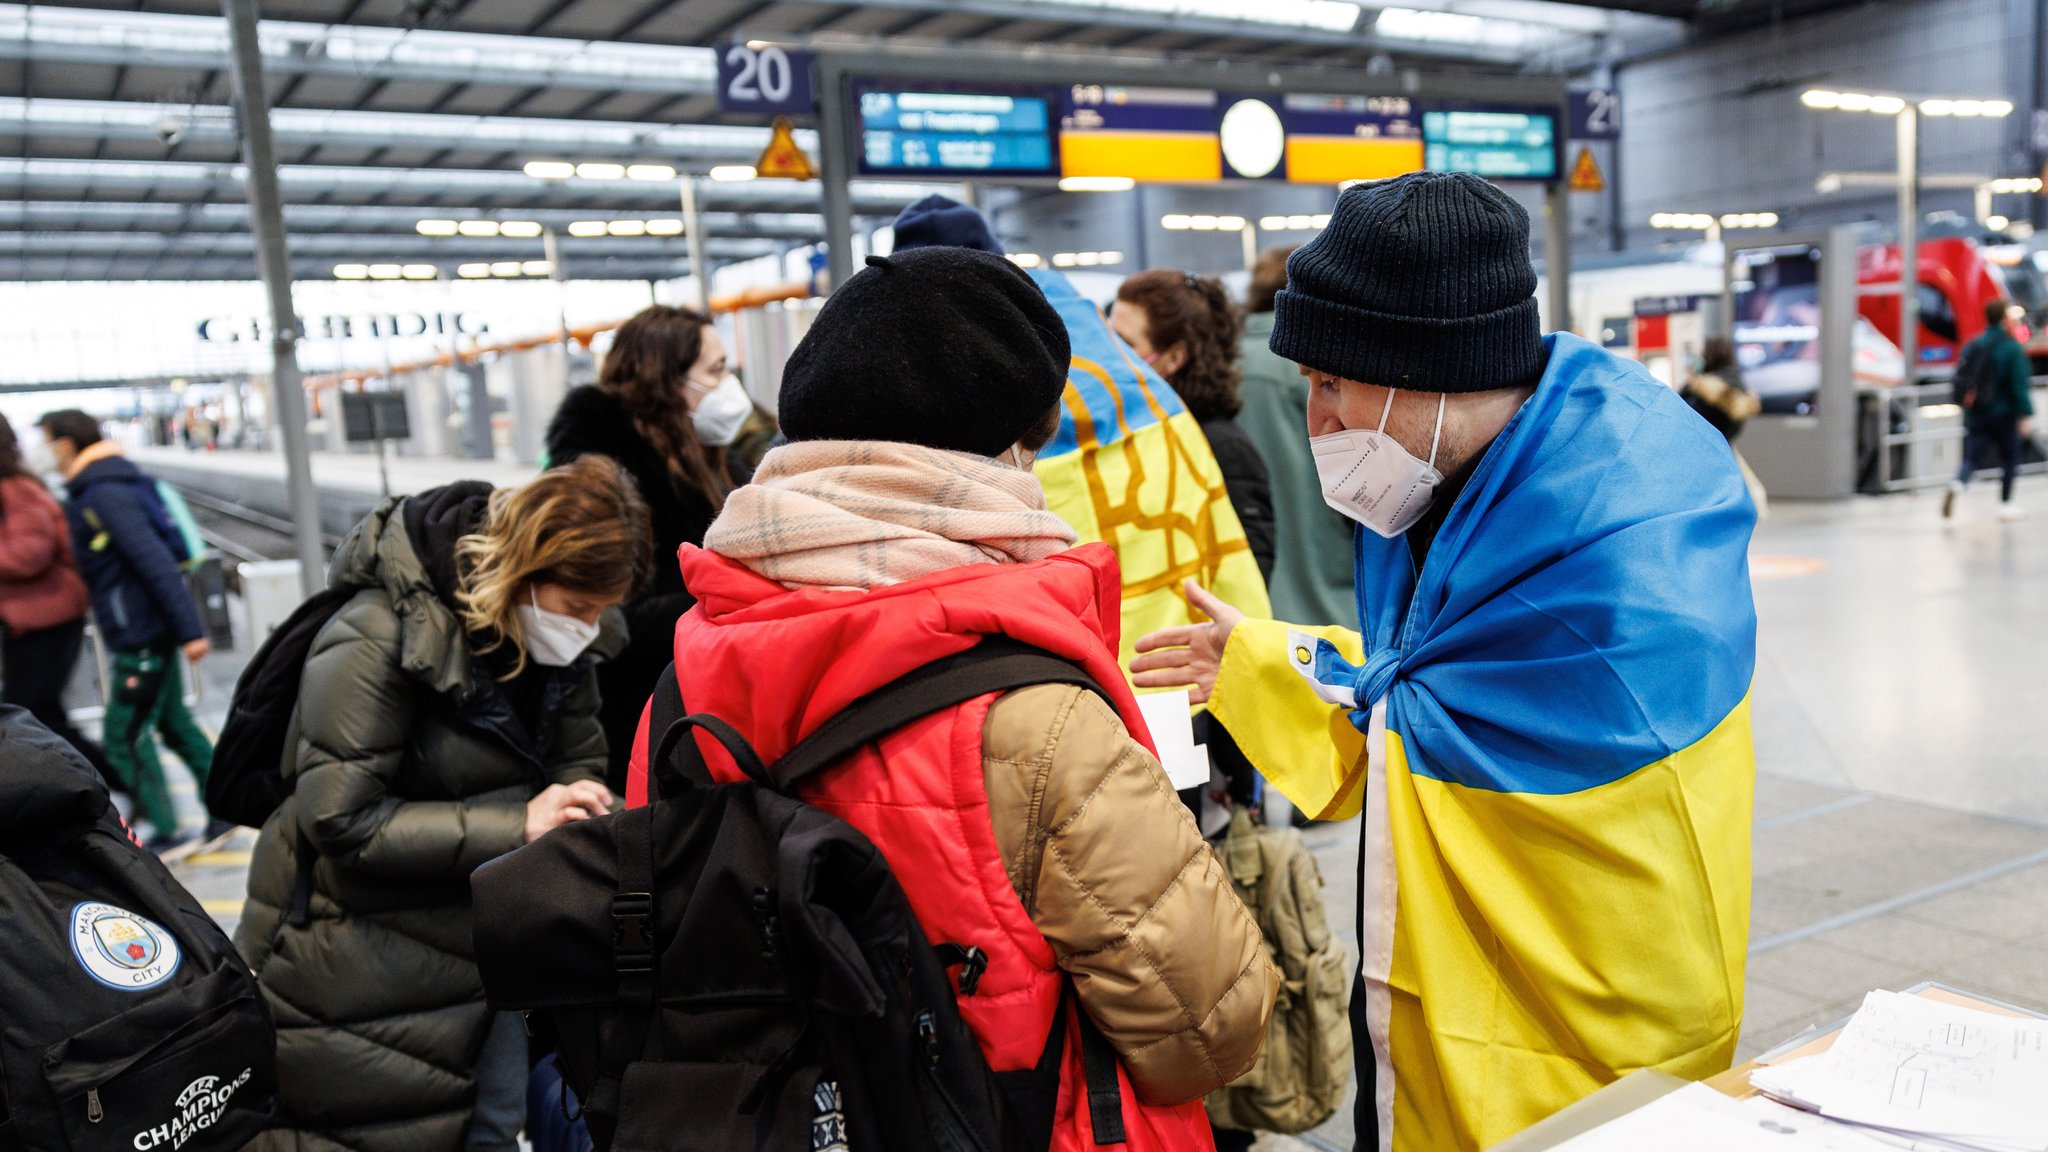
[{"x": 148, "y": 699}]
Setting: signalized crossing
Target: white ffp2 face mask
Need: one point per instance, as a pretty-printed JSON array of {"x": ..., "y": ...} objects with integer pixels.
[
  {"x": 720, "y": 414},
  {"x": 552, "y": 638},
  {"x": 1369, "y": 477}
]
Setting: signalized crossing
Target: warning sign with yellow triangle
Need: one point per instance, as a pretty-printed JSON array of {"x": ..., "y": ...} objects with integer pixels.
[
  {"x": 1585, "y": 173},
  {"x": 782, "y": 159}
]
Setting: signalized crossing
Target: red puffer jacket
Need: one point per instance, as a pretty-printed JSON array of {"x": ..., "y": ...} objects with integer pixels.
[
  {"x": 39, "y": 583},
  {"x": 777, "y": 663}
]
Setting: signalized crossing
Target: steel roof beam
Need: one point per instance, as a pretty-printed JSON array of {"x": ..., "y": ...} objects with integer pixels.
[
  {"x": 244, "y": 268},
  {"x": 369, "y": 248},
  {"x": 369, "y": 220}
]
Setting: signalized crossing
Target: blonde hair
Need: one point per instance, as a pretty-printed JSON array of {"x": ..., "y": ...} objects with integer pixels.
[{"x": 582, "y": 526}]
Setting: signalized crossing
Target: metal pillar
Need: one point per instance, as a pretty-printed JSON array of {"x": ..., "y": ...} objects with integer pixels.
[
  {"x": 835, "y": 172},
  {"x": 266, "y": 221},
  {"x": 1557, "y": 252},
  {"x": 1909, "y": 244},
  {"x": 693, "y": 236}
]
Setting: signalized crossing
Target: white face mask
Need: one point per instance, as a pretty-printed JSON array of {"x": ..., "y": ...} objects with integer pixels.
[
  {"x": 1369, "y": 477},
  {"x": 552, "y": 638},
  {"x": 719, "y": 415},
  {"x": 37, "y": 457}
]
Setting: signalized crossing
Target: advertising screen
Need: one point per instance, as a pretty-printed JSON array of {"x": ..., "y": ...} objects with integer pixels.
[
  {"x": 1777, "y": 325},
  {"x": 1500, "y": 144},
  {"x": 927, "y": 132}
]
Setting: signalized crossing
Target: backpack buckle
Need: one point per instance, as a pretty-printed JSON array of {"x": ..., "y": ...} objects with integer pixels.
[{"x": 633, "y": 932}]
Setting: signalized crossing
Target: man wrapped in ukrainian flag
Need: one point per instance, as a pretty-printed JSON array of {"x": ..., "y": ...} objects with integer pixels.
[{"x": 1544, "y": 715}]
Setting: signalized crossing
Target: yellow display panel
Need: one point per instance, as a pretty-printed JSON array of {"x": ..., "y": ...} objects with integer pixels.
[
  {"x": 1152, "y": 157},
  {"x": 1335, "y": 159}
]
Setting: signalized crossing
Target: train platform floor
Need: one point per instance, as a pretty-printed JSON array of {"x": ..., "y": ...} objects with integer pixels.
[{"x": 1901, "y": 824}]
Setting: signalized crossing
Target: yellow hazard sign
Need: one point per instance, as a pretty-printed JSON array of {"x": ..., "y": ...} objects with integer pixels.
[
  {"x": 1585, "y": 173},
  {"x": 782, "y": 158}
]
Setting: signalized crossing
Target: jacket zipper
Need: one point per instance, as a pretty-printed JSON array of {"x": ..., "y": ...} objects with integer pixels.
[{"x": 93, "y": 1112}]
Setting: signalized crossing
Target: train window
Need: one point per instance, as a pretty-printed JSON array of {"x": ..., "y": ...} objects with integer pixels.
[{"x": 1937, "y": 315}]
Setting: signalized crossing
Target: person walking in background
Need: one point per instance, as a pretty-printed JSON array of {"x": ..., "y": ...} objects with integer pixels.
[
  {"x": 900, "y": 525},
  {"x": 448, "y": 713},
  {"x": 42, "y": 602},
  {"x": 1186, "y": 329},
  {"x": 131, "y": 556},
  {"x": 665, "y": 408},
  {"x": 1996, "y": 388},
  {"x": 1717, "y": 394},
  {"x": 1310, "y": 581}
]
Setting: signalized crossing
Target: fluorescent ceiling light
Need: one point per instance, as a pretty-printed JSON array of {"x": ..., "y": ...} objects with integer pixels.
[
  {"x": 732, "y": 173},
  {"x": 1025, "y": 259},
  {"x": 421, "y": 272},
  {"x": 473, "y": 271},
  {"x": 627, "y": 227},
  {"x": 1822, "y": 98},
  {"x": 1997, "y": 223},
  {"x": 522, "y": 229},
  {"x": 536, "y": 267},
  {"x": 1097, "y": 184},
  {"x": 586, "y": 228},
  {"x": 351, "y": 271},
  {"x": 436, "y": 227},
  {"x": 1887, "y": 105},
  {"x": 600, "y": 171},
  {"x": 1327, "y": 15},
  {"x": 666, "y": 227},
  {"x": 505, "y": 268},
  {"x": 477, "y": 227},
  {"x": 550, "y": 169},
  {"x": 650, "y": 172},
  {"x": 386, "y": 271},
  {"x": 1176, "y": 222}
]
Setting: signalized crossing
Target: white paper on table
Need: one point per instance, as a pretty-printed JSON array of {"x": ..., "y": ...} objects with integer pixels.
[
  {"x": 1173, "y": 734},
  {"x": 1698, "y": 1119}
]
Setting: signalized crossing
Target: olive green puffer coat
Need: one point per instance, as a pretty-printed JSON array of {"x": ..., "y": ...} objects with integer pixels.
[{"x": 409, "y": 770}]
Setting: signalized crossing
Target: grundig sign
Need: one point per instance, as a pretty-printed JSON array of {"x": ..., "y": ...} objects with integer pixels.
[{"x": 234, "y": 330}]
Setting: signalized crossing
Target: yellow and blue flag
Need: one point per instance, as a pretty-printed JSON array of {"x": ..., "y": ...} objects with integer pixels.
[
  {"x": 1130, "y": 467},
  {"x": 1547, "y": 730}
]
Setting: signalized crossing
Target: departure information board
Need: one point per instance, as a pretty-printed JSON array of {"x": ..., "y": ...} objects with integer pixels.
[
  {"x": 1502, "y": 143},
  {"x": 946, "y": 131}
]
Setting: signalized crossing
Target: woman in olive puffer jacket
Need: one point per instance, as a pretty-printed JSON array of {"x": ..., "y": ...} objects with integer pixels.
[{"x": 447, "y": 714}]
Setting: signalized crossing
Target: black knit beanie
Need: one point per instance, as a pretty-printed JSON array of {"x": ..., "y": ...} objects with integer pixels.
[
  {"x": 944, "y": 347},
  {"x": 1420, "y": 282}
]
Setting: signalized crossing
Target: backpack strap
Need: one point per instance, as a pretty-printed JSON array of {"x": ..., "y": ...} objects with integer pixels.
[{"x": 997, "y": 664}]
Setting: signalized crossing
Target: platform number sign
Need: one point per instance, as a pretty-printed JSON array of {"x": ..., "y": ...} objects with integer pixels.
[
  {"x": 768, "y": 78},
  {"x": 1596, "y": 114}
]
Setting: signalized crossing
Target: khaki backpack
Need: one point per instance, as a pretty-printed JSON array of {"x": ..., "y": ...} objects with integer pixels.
[{"x": 1302, "y": 1073}]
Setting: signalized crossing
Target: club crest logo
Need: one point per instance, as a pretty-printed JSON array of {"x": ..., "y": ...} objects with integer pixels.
[{"x": 120, "y": 949}]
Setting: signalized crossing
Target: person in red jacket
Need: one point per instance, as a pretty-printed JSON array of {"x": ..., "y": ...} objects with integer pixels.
[
  {"x": 42, "y": 601},
  {"x": 902, "y": 524}
]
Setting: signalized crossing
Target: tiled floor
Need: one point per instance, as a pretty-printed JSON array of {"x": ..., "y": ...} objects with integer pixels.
[{"x": 1901, "y": 710}]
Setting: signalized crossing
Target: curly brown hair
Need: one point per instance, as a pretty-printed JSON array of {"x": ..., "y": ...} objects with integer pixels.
[
  {"x": 1269, "y": 276},
  {"x": 1194, "y": 313},
  {"x": 650, "y": 356}
]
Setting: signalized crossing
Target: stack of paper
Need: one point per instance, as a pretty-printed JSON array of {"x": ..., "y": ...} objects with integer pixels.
[
  {"x": 1698, "y": 1119},
  {"x": 1927, "y": 1074}
]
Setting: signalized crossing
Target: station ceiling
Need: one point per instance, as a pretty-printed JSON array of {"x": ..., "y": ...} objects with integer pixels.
[{"x": 392, "y": 111}]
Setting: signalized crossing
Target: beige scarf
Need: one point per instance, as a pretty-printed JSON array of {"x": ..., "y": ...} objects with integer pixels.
[{"x": 859, "y": 514}]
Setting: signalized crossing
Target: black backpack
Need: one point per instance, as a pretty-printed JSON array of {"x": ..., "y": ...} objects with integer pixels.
[
  {"x": 1971, "y": 387},
  {"x": 127, "y": 1021},
  {"x": 247, "y": 782},
  {"x": 730, "y": 968}
]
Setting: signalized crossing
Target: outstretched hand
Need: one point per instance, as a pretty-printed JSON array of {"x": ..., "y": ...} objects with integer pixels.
[{"x": 1187, "y": 656}]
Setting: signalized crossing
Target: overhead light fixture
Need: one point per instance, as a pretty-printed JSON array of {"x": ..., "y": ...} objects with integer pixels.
[
  {"x": 351, "y": 271},
  {"x": 422, "y": 272},
  {"x": 1750, "y": 220},
  {"x": 1997, "y": 223},
  {"x": 550, "y": 169},
  {"x": 473, "y": 271},
  {"x": 386, "y": 271},
  {"x": 505, "y": 268},
  {"x": 478, "y": 227},
  {"x": 1820, "y": 98},
  {"x": 586, "y": 228},
  {"x": 2008, "y": 187},
  {"x": 1328, "y": 15},
  {"x": 436, "y": 227},
  {"x": 601, "y": 171},
  {"x": 1829, "y": 100},
  {"x": 650, "y": 172},
  {"x": 733, "y": 173},
  {"x": 1025, "y": 259},
  {"x": 1086, "y": 259},
  {"x": 536, "y": 267},
  {"x": 1682, "y": 221},
  {"x": 1097, "y": 184},
  {"x": 665, "y": 227},
  {"x": 627, "y": 227},
  {"x": 1176, "y": 222},
  {"x": 523, "y": 229},
  {"x": 1887, "y": 105}
]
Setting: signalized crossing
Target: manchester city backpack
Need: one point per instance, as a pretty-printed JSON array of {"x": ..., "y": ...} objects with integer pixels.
[{"x": 127, "y": 1021}]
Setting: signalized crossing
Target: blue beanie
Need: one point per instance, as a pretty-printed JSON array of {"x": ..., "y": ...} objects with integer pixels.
[{"x": 939, "y": 222}]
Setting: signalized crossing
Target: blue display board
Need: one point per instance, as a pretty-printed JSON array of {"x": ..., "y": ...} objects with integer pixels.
[
  {"x": 942, "y": 130},
  {"x": 1498, "y": 143}
]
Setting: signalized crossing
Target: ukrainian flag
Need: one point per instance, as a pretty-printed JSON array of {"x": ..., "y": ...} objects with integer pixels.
[
  {"x": 1131, "y": 467},
  {"x": 1547, "y": 729}
]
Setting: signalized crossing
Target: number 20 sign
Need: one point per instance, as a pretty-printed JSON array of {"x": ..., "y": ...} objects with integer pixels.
[{"x": 769, "y": 78}]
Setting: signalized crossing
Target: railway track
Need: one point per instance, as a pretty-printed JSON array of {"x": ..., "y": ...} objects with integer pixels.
[{"x": 242, "y": 534}]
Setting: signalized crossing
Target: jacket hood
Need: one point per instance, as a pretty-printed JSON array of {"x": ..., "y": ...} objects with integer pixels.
[
  {"x": 107, "y": 468},
  {"x": 776, "y": 663},
  {"x": 381, "y": 552}
]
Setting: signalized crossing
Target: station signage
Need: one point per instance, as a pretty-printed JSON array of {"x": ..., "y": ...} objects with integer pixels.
[
  {"x": 1595, "y": 114},
  {"x": 1499, "y": 143},
  {"x": 336, "y": 326},
  {"x": 768, "y": 79},
  {"x": 944, "y": 130}
]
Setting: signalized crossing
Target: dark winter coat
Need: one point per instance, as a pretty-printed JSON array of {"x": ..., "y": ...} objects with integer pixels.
[
  {"x": 1249, "y": 485},
  {"x": 122, "y": 538},
  {"x": 593, "y": 422},
  {"x": 409, "y": 770}
]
